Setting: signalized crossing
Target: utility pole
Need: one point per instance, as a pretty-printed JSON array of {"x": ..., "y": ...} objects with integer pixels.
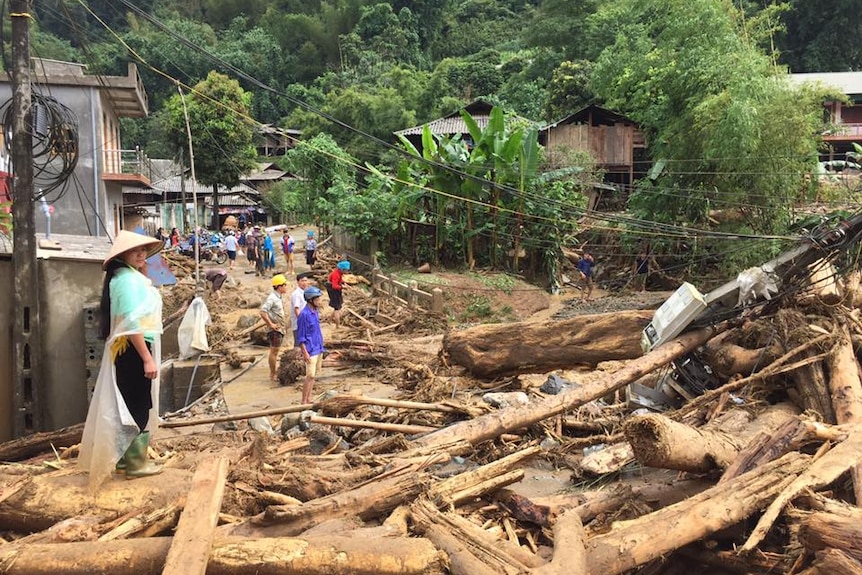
[{"x": 28, "y": 395}]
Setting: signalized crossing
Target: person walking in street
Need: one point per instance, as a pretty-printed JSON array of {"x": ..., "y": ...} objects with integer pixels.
[
  {"x": 252, "y": 249},
  {"x": 586, "y": 267},
  {"x": 257, "y": 236},
  {"x": 268, "y": 252},
  {"x": 310, "y": 249},
  {"x": 287, "y": 245},
  {"x": 230, "y": 247},
  {"x": 297, "y": 304},
  {"x": 335, "y": 289},
  {"x": 310, "y": 338},
  {"x": 125, "y": 403},
  {"x": 272, "y": 312},
  {"x": 174, "y": 237}
]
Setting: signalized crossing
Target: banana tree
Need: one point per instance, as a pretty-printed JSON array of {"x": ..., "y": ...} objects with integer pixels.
[
  {"x": 509, "y": 156},
  {"x": 439, "y": 153}
]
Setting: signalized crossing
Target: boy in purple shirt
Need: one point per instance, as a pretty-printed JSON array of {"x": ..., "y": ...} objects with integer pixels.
[{"x": 309, "y": 337}]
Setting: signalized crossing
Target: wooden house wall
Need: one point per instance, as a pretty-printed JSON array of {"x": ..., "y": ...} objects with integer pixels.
[{"x": 608, "y": 145}]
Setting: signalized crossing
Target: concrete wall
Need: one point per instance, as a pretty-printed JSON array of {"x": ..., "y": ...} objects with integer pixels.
[
  {"x": 67, "y": 286},
  {"x": 69, "y": 216},
  {"x": 6, "y": 371}
]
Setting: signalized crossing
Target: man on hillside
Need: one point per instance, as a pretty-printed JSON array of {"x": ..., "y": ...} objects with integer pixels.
[{"x": 586, "y": 267}]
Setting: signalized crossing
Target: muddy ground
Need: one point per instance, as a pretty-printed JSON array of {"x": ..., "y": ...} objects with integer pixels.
[{"x": 470, "y": 298}]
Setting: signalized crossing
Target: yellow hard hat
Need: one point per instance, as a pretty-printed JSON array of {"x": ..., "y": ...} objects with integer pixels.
[{"x": 278, "y": 280}]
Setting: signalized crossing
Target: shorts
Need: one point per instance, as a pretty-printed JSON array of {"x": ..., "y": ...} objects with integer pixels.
[
  {"x": 231, "y": 255},
  {"x": 219, "y": 281},
  {"x": 275, "y": 338},
  {"x": 336, "y": 298},
  {"x": 314, "y": 365}
]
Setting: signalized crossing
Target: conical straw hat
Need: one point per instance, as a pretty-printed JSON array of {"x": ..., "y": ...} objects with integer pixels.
[{"x": 126, "y": 241}]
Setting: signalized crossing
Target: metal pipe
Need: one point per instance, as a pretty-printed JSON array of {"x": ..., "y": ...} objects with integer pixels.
[{"x": 96, "y": 149}]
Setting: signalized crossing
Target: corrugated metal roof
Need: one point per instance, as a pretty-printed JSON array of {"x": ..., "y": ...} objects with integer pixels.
[
  {"x": 172, "y": 185},
  {"x": 850, "y": 83},
  {"x": 446, "y": 126}
]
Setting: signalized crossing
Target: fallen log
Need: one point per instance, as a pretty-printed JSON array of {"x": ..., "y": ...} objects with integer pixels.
[
  {"x": 845, "y": 389},
  {"x": 823, "y": 471},
  {"x": 658, "y": 441},
  {"x": 634, "y": 543},
  {"x": 343, "y": 404},
  {"x": 497, "y": 350},
  {"x": 820, "y": 531},
  {"x": 313, "y": 555},
  {"x": 589, "y": 504},
  {"x": 371, "y": 499},
  {"x": 509, "y": 419},
  {"x": 361, "y": 424},
  {"x": 52, "y": 497},
  {"x": 728, "y": 359},
  {"x": 832, "y": 561},
  {"x": 479, "y": 481},
  {"x": 37, "y": 443},
  {"x": 500, "y": 557},
  {"x": 570, "y": 555},
  {"x": 236, "y": 417}
]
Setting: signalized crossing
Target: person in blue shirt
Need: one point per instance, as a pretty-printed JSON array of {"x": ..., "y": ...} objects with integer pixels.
[
  {"x": 309, "y": 338},
  {"x": 268, "y": 254},
  {"x": 586, "y": 267}
]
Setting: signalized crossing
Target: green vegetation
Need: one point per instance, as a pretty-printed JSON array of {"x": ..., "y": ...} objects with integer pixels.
[{"x": 703, "y": 79}]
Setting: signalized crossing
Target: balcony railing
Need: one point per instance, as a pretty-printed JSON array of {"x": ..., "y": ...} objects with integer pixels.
[
  {"x": 844, "y": 132},
  {"x": 128, "y": 166}
]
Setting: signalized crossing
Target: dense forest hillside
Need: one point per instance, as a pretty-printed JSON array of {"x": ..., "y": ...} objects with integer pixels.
[
  {"x": 382, "y": 66},
  {"x": 703, "y": 80}
]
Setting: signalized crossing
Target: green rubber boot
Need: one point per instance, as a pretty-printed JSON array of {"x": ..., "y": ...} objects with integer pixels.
[
  {"x": 120, "y": 468},
  {"x": 137, "y": 464}
]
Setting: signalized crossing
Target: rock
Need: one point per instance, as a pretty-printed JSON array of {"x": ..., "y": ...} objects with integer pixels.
[
  {"x": 554, "y": 385},
  {"x": 261, "y": 425},
  {"x": 506, "y": 399},
  {"x": 246, "y": 321}
]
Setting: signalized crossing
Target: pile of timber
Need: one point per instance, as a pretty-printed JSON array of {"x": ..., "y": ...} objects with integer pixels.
[{"x": 764, "y": 471}]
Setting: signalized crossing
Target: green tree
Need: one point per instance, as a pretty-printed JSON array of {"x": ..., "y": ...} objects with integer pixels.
[
  {"x": 325, "y": 173},
  {"x": 222, "y": 131},
  {"x": 569, "y": 90},
  {"x": 730, "y": 130},
  {"x": 374, "y": 111},
  {"x": 821, "y": 36}
]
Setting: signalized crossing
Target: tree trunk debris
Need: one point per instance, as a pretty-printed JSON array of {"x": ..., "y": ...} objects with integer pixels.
[{"x": 758, "y": 473}]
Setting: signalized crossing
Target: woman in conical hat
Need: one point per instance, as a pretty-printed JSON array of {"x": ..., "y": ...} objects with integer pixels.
[{"x": 125, "y": 401}]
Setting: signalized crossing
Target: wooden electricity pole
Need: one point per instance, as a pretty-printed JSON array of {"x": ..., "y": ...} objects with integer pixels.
[{"x": 28, "y": 387}]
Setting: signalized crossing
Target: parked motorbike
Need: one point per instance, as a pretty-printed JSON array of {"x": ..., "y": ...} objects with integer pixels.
[{"x": 211, "y": 248}]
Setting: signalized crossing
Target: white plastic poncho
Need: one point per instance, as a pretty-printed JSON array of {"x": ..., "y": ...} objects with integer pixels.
[
  {"x": 136, "y": 307},
  {"x": 192, "y": 333}
]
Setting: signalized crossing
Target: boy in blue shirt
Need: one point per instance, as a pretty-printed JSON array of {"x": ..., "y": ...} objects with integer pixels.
[{"x": 309, "y": 338}]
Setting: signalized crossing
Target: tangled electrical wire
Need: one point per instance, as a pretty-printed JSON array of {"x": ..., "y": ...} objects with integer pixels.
[{"x": 54, "y": 130}]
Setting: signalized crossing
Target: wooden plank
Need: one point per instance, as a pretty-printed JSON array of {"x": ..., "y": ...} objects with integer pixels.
[{"x": 190, "y": 549}]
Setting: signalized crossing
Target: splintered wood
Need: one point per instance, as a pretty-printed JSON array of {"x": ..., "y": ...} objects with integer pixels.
[{"x": 758, "y": 474}]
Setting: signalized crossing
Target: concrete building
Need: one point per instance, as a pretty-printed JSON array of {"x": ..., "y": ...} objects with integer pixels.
[
  {"x": 91, "y": 202},
  {"x": 87, "y": 210}
]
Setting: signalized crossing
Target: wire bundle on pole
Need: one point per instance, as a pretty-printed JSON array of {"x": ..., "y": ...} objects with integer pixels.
[{"x": 54, "y": 129}]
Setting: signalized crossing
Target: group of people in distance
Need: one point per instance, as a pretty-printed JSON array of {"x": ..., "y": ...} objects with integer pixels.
[{"x": 124, "y": 407}]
